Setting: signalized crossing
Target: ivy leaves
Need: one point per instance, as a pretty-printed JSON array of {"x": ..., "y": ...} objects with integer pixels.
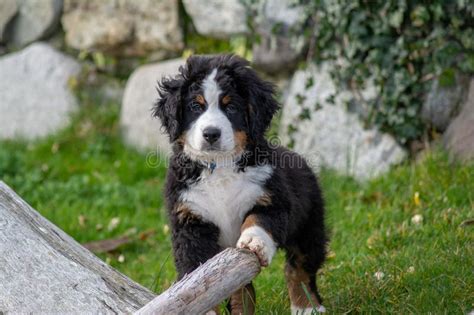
[{"x": 400, "y": 46}]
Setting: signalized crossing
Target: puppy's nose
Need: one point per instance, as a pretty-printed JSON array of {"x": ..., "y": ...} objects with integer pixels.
[{"x": 211, "y": 134}]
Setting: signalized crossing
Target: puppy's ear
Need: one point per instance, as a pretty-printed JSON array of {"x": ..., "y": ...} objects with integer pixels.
[
  {"x": 262, "y": 104},
  {"x": 168, "y": 105}
]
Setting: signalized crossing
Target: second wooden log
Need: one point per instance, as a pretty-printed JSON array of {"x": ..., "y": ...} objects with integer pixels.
[{"x": 208, "y": 285}]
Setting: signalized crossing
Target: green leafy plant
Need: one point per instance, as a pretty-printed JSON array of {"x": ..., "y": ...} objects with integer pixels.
[{"x": 400, "y": 46}]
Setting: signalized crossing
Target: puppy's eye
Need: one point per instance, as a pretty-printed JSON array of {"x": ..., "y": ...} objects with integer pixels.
[
  {"x": 198, "y": 104},
  {"x": 231, "y": 108},
  {"x": 196, "y": 107}
]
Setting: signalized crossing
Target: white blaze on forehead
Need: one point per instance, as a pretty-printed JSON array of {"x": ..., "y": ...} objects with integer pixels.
[
  {"x": 214, "y": 117},
  {"x": 211, "y": 89}
]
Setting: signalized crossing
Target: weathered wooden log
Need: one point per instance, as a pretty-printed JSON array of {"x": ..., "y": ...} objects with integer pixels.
[
  {"x": 208, "y": 285},
  {"x": 43, "y": 270}
]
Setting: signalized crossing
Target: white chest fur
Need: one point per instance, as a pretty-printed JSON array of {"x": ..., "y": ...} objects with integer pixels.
[{"x": 225, "y": 196}]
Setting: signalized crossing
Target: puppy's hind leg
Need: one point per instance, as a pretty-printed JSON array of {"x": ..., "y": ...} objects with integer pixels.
[
  {"x": 242, "y": 301},
  {"x": 302, "y": 289}
]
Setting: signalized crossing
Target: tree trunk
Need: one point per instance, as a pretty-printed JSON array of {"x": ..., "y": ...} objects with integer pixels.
[{"x": 43, "y": 270}]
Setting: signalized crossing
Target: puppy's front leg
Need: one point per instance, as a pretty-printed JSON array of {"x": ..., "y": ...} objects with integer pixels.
[
  {"x": 258, "y": 240},
  {"x": 194, "y": 240}
]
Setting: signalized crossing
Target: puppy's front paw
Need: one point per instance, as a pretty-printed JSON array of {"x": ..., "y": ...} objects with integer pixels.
[{"x": 258, "y": 241}]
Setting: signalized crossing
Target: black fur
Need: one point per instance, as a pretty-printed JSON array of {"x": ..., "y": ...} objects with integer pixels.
[{"x": 295, "y": 217}]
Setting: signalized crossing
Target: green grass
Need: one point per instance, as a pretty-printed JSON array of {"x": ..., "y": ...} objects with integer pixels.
[{"x": 86, "y": 175}]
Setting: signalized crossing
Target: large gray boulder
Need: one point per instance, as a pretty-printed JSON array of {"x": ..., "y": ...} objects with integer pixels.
[
  {"x": 35, "y": 20},
  {"x": 8, "y": 9},
  {"x": 280, "y": 25},
  {"x": 34, "y": 96},
  {"x": 139, "y": 128},
  {"x": 315, "y": 120},
  {"x": 442, "y": 103},
  {"x": 125, "y": 28},
  {"x": 217, "y": 18},
  {"x": 459, "y": 137}
]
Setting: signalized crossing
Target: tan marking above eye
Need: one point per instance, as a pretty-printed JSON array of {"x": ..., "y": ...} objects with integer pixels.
[
  {"x": 200, "y": 99},
  {"x": 226, "y": 100}
]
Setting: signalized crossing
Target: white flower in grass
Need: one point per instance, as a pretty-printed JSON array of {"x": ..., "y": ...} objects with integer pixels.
[
  {"x": 121, "y": 258},
  {"x": 379, "y": 275},
  {"x": 411, "y": 269},
  {"x": 417, "y": 219},
  {"x": 114, "y": 222}
]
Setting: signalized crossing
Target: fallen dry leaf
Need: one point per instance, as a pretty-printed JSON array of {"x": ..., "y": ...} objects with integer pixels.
[
  {"x": 467, "y": 222},
  {"x": 111, "y": 244},
  {"x": 331, "y": 255},
  {"x": 143, "y": 236},
  {"x": 416, "y": 199},
  {"x": 108, "y": 245},
  {"x": 82, "y": 220}
]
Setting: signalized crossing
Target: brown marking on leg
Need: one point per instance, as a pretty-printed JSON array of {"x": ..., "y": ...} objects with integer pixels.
[
  {"x": 242, "y": 301},
  {"x": 261, "y": 245},
  {"x": 184, "y": 213},
  {"x": 250, "y": 220},
  {"x": 264, "y": 200},
  {"x": 296, "y": 278}
]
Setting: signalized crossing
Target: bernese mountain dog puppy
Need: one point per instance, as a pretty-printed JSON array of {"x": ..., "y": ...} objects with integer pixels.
[{"x": 227, "y": 186}]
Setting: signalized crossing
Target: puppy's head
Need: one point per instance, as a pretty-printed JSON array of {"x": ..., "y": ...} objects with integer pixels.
[{"x": 215, "y": 106}]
